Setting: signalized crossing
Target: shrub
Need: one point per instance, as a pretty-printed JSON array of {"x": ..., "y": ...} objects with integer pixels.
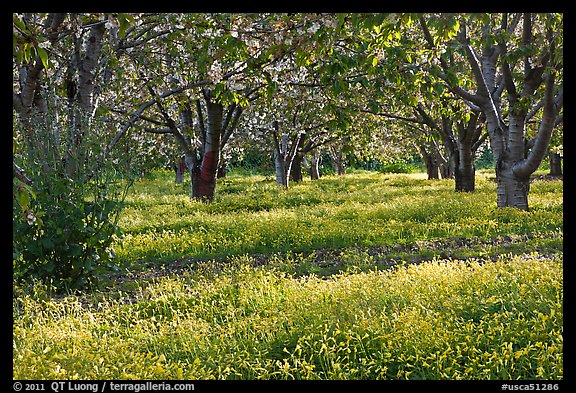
[
  {"x": 72, "y": 239},
  {"x": 65, "y": 221}
]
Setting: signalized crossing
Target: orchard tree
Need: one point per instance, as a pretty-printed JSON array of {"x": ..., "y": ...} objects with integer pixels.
[
  {"x": 459, "y": 137},
  {"x": 519, "y": 54},
  {"x": 402, "y": 89},
  {"x": 208, "y": 67},
  {"x": 186, "y": 82}
]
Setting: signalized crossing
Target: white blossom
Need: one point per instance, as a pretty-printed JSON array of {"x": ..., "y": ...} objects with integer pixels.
[
  {"x": 30, "y": 217},
  {"x": 240, "y": 65},
  {"x": 111, "y": 24},
  {"x": 314, "y": 28},
  {"x": 215, "y": 71}
]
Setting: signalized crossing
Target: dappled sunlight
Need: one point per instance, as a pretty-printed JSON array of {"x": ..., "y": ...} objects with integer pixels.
[
  {"x": 333, "y": 212},
  {"x": 444, "y": 319}
]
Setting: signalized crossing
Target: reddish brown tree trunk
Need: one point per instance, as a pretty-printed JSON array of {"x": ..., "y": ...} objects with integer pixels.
[
  {"x": 204, "y": 178},
  {"x": 207, "y": 176}
]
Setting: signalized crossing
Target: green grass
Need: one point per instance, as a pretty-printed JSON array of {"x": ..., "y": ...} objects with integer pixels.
[
  {"x": 366, "y": 276},
  {"x": 253, "y": 216},
  {"x": 444, "y": 319}
]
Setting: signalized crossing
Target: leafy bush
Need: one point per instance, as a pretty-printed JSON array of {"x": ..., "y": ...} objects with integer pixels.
[
  {"x": 73, "y": 238},
  {"x": 65, "y": 221}
]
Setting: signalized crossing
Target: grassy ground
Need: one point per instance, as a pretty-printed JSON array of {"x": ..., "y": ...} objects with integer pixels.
[{"x": 366, "y": 276}]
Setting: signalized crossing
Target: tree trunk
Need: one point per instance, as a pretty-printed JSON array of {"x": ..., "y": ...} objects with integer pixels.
[
  {"x": 87, "y": 67},
  {"x": 465, "y": 178},
  {"x": 296, "y": 168},
  {"x": 284, "y": 154},
  {"x": 555, "y": 164},
  {"x": 222, "y": 171},
  {"x": 194, "y": 170},
  {"x": 281, "y": 175},
  {"x": 339, "y": 166},
  {"x": 180, "y": 169},
  {"x": 446, "y": 171},
  {"x": 210, "y": 159},
  {"x": 511, "y": 191},
  {"x": 430, "y": 162},
  {"x": 222, "y": 167},
  {"x": 315, "y": 166},
  {"x": 512, "y": 188},
  {"x": 448, "y": 166},
  {"x": 464, "y": 171},
  {"x": 338, "y": 159}
]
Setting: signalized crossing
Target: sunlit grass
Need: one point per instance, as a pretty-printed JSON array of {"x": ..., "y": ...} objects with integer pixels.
[
  {"x": 444, "y": 319},
  {"x": 363, "y": 276},
  {"x": 253, "y": 215}
]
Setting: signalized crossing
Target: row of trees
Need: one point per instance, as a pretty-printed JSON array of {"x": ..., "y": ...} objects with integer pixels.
[
  {"x": 373, "y": 83},
  {"x": 97, "y": 96}
]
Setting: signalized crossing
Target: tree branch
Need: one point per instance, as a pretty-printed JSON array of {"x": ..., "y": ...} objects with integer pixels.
[{"x": 20, "y": 174}]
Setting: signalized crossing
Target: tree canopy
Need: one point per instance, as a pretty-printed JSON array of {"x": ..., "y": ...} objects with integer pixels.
[{"x": 383, "y": 84}]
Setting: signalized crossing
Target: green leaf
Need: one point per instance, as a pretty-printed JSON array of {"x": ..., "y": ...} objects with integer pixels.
[
  {"x": 19, "y": 23},
  {"x": 43, "y": 56},
  {"x": 49, "y": 267},
  {"x": 338, "y": 86},
  {"x": 124, "y": 24},
  {"x": 76, "y": 250},
  {"x": 47, "y": 243},
  {"x": 23, "y": 200}
]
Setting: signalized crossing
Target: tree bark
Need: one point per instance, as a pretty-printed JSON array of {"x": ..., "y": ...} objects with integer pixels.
[
  {"x": 284, "y": 154},
  {"x": 314, "y": 166},
  {"x": 464, "y": 173},
  {"x": 205, "y": 178},
  {"x": 279, "y": 164},
  {"x": 222, "y": 169},
  {"x": 87, "y": 67},
  {"x": 296, "y": 168},
  {"x": 555, "y": 164},
  {"x": 447, "y": 167},
  {"x": 430, "y": 162},
  {"x": 511, "y": 190},
  {"x": 337, "y": 160},
  {"x": 180, "y": 169}
]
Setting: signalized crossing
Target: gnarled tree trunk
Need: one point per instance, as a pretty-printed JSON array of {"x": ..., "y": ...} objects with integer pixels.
[
  {"x": 512, "y": 164},
  {"x": 283, "y": 154}
]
